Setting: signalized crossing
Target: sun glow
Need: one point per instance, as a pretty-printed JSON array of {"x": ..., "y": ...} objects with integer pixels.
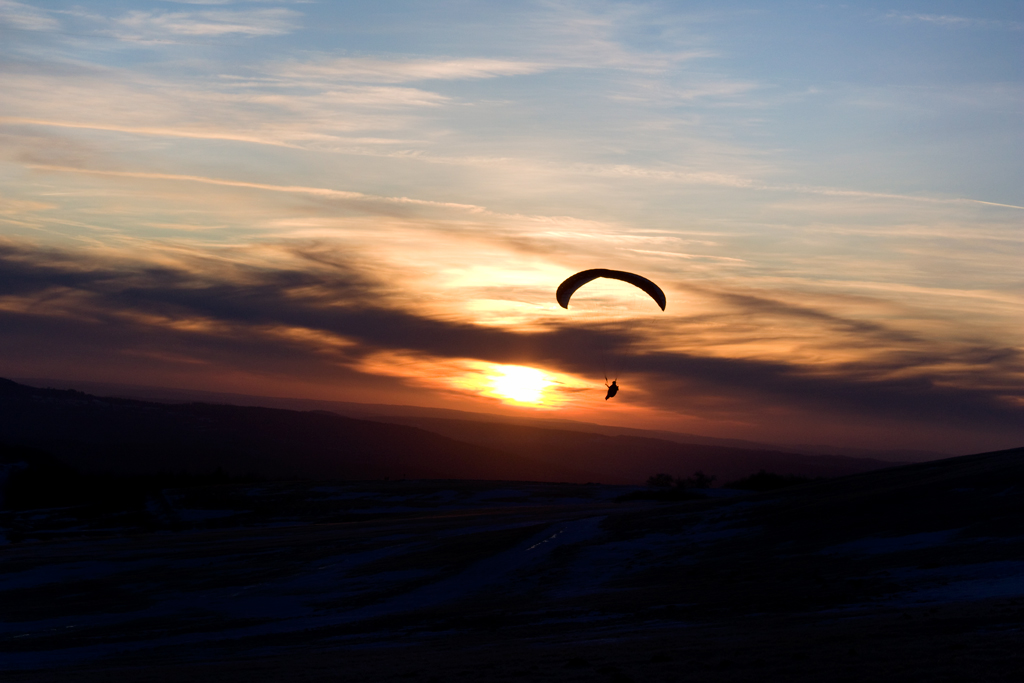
[{"x": 518, "y": 383}]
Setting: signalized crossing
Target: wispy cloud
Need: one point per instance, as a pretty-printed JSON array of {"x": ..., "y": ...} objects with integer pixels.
[
  {"x": 146, "y": 26},
  {"x": 143, "y": 130},
  {"x": 342, "y": 117},
  {"x": 597, "y": 36},
  {"x": 294, "y": 189},
  {"x": 698, "y": 177},
  {"x": 954, "y": 21},
  {"x": 840, "y": 192},
  {"x": 16, "y": 207},
  {"x": 399, "y": 70},
  {"x": 26, "y": 17}
]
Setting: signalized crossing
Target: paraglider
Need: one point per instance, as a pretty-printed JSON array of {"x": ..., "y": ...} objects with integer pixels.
[
  {"x": 565, "y": 291},
  {"x": 574, "y": 282},
  {"x": 613, "y": 389}
]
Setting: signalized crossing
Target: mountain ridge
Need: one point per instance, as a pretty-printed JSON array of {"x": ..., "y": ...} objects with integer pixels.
[
  {"x": 388, "y": 412},
  {"x": 132, "y": 436}
]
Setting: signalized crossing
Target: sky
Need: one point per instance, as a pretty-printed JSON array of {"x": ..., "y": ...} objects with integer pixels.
[{"x": 375, "y": 202}]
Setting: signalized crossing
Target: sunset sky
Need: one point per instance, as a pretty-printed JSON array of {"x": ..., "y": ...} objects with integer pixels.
[{"x": 375, "y": 202}]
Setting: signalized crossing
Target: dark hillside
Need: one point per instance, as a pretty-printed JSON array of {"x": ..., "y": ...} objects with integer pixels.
[
  {"x": 400, "y": 414},
  {"x": 136, "y": 437},
  {"x": 914, "y": 573},
  {"x": 973, "y": 495},
  {"x": 631, "y": 459},
  {"x": 139, "y": 437}
]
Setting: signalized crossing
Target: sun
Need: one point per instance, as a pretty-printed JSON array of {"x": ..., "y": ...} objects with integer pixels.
[{"x": 519, "y": 383}]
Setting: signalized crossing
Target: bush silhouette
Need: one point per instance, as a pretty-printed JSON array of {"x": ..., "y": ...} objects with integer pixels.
[
  {"x": 671, "y": 489},
  {"x": 662, "y": 479},
  {"x": 699, "y": 480}
]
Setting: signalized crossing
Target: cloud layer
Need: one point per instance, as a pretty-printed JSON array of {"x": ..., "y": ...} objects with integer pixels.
[
  {"x": 324, "y": 314},
  {"x": 301, "y": 199}
]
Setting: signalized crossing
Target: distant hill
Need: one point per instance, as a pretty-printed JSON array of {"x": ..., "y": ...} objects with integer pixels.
[
  {"x": 378, "y": 412},
  {"x": 142, "y": 437},
  {"x": 631, "y": 459},
  {"x": 138, "y": 437}
]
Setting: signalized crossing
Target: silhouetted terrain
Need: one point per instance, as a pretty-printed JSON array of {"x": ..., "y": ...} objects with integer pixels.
[
  {"x": 159, "y": 542},
  {"x": 400, "y": 413},
  {"x": 124, "y": 436},
  {"x": 912, "y": 573},
  {"x": 631, "y": 459},
  {"x": 137, "y": 437}
]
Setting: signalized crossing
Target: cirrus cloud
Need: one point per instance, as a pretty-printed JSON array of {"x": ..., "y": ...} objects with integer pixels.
[
  {"x": 140, "y": 25},
  {"x": 26, "y": 17}
]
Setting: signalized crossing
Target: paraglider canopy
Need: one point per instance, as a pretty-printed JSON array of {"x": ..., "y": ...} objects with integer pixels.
[{"x": 574, "y": 282}]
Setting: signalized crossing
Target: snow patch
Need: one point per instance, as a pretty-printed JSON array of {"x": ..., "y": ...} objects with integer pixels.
[{"x": 893, "y": 544}]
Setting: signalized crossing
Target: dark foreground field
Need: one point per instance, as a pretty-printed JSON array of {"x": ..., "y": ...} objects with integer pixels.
[{"x": 908, "y": 574}]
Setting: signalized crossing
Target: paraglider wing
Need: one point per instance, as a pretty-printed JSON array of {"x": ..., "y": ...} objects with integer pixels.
[{"x": 574, "y": 282}]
